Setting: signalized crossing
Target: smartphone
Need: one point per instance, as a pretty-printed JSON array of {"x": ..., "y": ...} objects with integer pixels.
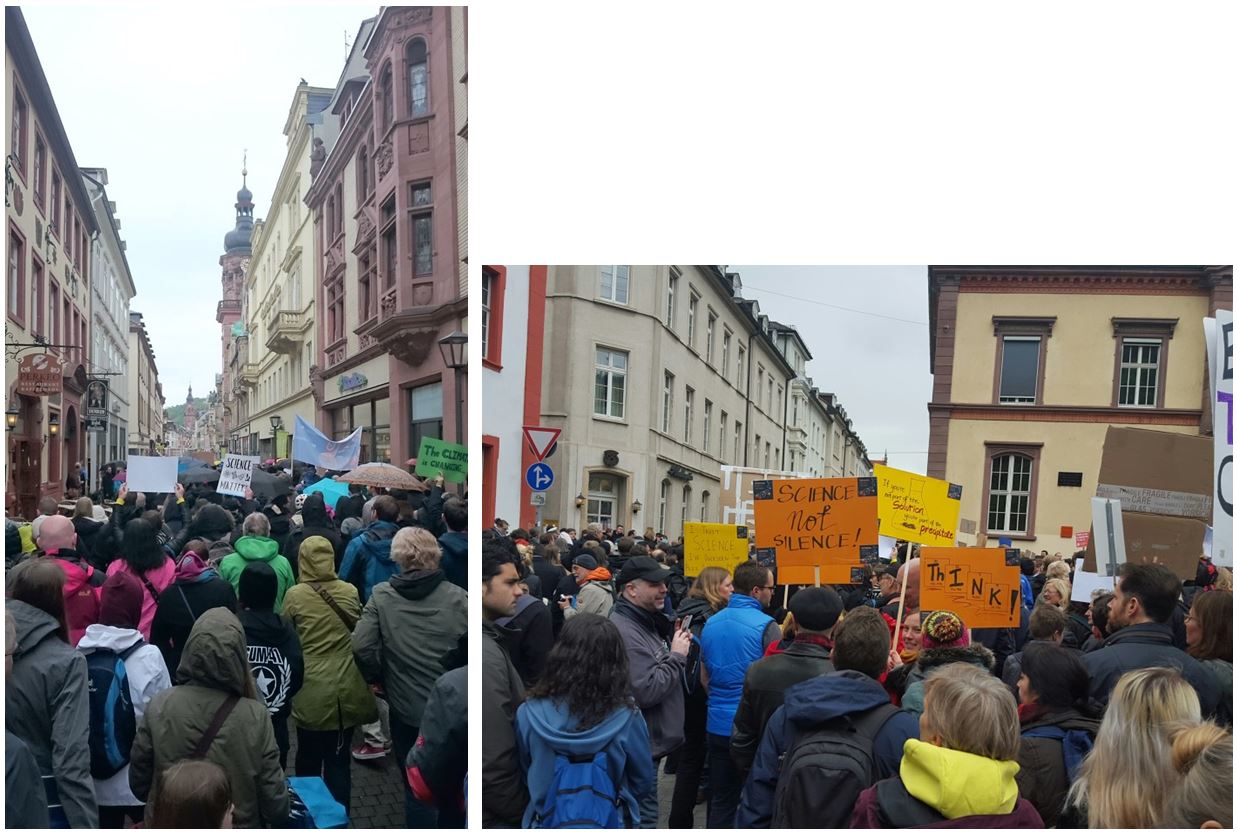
[{"x": 687, "y": 622}]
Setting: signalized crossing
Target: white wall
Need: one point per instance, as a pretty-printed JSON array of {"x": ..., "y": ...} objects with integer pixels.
[{"x": 502, "y": 412}]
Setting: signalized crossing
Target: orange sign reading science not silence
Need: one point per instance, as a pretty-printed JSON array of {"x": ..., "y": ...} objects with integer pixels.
[
  {"x": 826, "y": 523},
  {"x": 980, "y": 585}
]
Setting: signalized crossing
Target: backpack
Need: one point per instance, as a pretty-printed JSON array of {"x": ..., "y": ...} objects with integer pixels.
[
  {"x": 822, "y": 773},
  {"x": 582, "y": 795},
  {"x": 1075, "y": 744},
  {"x": 113, "y": 723}
]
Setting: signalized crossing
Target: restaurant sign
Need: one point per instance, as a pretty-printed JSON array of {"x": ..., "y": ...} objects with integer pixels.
[{"x": 41, "y": 374}]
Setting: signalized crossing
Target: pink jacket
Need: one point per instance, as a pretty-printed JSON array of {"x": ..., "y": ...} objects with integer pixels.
[{"x": 161, "y": 578}]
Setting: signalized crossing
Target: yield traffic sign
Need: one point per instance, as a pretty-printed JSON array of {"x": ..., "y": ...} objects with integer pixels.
[
  {"x": 541, "y": 440},
  {"x": 539, "y": 477}
]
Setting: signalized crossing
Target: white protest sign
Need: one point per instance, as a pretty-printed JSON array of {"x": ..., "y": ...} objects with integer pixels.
[
  {"x": 1219, "y": 335},
  {"x": 151, "y": 474},
  {"x": 236, "y": 474},
  {"x": 887, "y": 546},
  {"x": 1085, "y": 582},
  {"x": 1109, "y": 535}
]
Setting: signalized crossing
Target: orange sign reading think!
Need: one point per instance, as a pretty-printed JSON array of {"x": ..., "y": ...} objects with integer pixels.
[
  {"x": 980, "y": 585},
  {"x": 827, "y": 523}
]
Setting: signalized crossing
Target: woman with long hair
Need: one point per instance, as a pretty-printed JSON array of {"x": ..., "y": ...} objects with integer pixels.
[
  {"x": 195, "y": 589},
  {"x": 582, "y": 711},
  {"x": 1127, "y": 776},
  {"x": 709, "y": 593},
  {"x": 1209, "y": 639},
  {"x": 143, "y": 557}
]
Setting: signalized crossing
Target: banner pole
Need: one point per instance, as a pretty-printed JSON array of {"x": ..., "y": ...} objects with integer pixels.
[
  {"x": 897, "y": 627},
  {"x": 816, "y": 571}
]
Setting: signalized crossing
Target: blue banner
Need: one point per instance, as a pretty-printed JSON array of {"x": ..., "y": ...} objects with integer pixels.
[{"x": 309, "y": 445}]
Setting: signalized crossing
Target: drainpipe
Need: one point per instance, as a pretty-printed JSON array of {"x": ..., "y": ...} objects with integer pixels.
[{"x": 747, "y": 394}]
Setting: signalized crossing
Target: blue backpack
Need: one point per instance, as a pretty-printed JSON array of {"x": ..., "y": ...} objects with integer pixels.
[
  {"x": 113, "y": 724},
  {"x": 1075, "y": 744},
  {"x": 582, "y": 795}
]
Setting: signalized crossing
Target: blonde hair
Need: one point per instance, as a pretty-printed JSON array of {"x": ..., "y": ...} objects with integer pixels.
[
  {"x": 972, "y": 711},
  {"x": 1126, "y": 778},
  {"x": 1062, "y": 587},
  {"x": 1224, "y": 579},
  {"x": 414, "y": 548},
  {"x": 1203, "y": 757},
  {"x": 1057, "y": 569},
  {"x": 84, "y": 508},
  {"x": 707, "y": 584}
]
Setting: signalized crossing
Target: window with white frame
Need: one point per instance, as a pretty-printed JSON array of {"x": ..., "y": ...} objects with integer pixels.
[
  {"x": 760, "y": 384},
  {"x": 738, "y": 442},
  {"x": 487, "y": 280},
  {"x": 1009, "y": 493},
  {"x": 602, "y": 498},
  {"x": 672, "y": 287},
  {"x": 689, "y": 403},
  {"x": 687, "y": 498},
  {"x": 739, "y": 377},
  {"x": 1140, "y": 372},
  {"x": 667, "y": 400},
  {"x": 610, "y": 389},
  {"x": 1019, "y": 370},
  {"x": 708, "y": 337},
  {"x": 725, "y": 352},
  {"x": 708, "y": 420},
  {"x": 614, "y": 283},
  {"x": 704, "y": 507},
  {"x": 661, "y": 505},
  {"x": 693, "y": 304},
  {"x": 721, "y": 437}
]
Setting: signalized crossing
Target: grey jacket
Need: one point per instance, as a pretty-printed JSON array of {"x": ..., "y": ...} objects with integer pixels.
[
  {"x": 1222, "y": 672},
  {"x": 25, "y": 805},
  {"x": 504, "y": 794},
  {"x": 656, "y": 681},
  {"x": 594, "y": 597},
  {"x": 47, "y": 706},
  {"x": 407, "y": 625}
]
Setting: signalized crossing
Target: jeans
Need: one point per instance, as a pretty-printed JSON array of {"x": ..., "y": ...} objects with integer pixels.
[
  {"x": 328, "y": 754},
  {"x": 417, "y": 814},
  {"x": 649, "y": 809},
  {"x": 691, "y": 761},
  {"x": 724, "y": 781},
  {"x": 114, "y": 817}
]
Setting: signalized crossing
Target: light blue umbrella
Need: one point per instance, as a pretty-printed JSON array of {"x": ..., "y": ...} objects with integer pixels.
[{"x": 332, "y": 490}]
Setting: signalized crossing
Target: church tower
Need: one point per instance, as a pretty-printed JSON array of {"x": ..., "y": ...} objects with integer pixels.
[
  {"x": 235, "y": 264},
  {"x": 191, "y": 413}
]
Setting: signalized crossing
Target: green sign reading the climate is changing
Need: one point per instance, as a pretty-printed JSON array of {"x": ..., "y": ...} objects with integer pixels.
[{"x": 437, "y": 456}]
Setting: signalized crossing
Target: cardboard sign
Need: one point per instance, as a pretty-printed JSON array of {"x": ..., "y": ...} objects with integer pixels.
[
  {"x": 713, "y": 545},
  {"x": 736, "y": 495},
  {"x": 827, "y": 523},
  {"x": 1219, "y": 334},
  {"x": 236, "y": 474},
  {"x": 151, "y": 474},
  {"x": 917, "y": 508},
  {"x": 1156, "y": 539},
  {"x": 437, "y": 456},
  {"x": 1085, "y": 582},
  {"x": 980, "y": 585}
]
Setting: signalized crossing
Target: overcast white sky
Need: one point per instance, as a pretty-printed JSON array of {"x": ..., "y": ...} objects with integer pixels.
[
  {"x": 167, "y": 101},
  {"x": 877, "y": 366}
]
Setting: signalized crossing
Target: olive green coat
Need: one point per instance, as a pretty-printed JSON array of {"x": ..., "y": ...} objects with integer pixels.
[{"x": 335, "y": 695}]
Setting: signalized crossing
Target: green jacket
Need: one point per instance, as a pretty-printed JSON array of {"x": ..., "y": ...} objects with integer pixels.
[
  {"x": 335, "y": 695},
  {"x": 213, "y": 666},
  {"x": 251, "y": 548}
]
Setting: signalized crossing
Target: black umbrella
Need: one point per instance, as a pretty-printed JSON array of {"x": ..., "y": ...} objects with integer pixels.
[
  {"x": 267, "y": 486},
  {"x": 197, "y": 476}
]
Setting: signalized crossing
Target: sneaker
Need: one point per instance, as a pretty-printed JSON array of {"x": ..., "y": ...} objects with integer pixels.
[{"x": 367, "y": 752}]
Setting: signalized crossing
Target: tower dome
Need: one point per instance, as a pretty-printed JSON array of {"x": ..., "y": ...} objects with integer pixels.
[{"x": 238, "y": 239}]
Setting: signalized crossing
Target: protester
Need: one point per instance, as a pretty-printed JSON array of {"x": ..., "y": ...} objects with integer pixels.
[
  {"x": 48, "y": 508},
  {"x": 195, "y": 589},
  {"x": 1097, "y": 616},
  {"x": 87, "y": 529},
  {"x": 709, "y": 593},
  {"x": 192, "y": 794},
  {"x": 367, "y": 559},
  {"x": 945, "y": 641},
  {"x": 504, "y": 794},
  {"x": 25, "y": 803},
  {"x": 579, "y": 724},
  {"x": 255, "y": 544},
  {"x": 454, "y": 542},
  {"x": 211, "y": 524},
  {"x": 279, "y": 515},
  {"x": 528, "y": 634},
  {"x": 274, "y": 650},
  {"x": 1048, "y": 624},
  {"x": 816, "y": 611},
  {"x": 405, "y": 629},
  {"x": 656, "y": 653},
  {"x": 1057, "y": 727},
  {"x": 334, "y": 699},
  {"x": 912, "y": 637},
  {"x": 82, "y": 582},
  {"x": 46, "y": 698},
  {"x": 437, "y": 764},
  {"x": 1209, "y": 639},
  {"x": 908, "y": 575},
  {"x": 1126, "y": 779},
  {"x": 1224, "y": 579},
  {"x": 1142, "y": 604},
  {"x": 822, "y": 715},
  {"x": 314, "y": 521},
  {"x": 1202, "y": 798},
  {"x": 144, "y": 558},
  {"x": 596, "y": 593},
  {"x": 1056, "y": 592}
]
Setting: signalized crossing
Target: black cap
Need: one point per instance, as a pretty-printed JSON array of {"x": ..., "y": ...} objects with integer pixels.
[
  {"x": 645, "y": 567},
  {"x": 585, "y": 560},
  {"x": 816, "y": 608}
]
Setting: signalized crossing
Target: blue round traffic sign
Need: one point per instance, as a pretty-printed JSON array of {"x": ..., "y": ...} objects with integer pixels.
[{"x": 539, "y": 477}]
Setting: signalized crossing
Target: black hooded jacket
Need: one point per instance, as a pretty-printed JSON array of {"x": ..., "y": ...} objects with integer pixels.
[{"x": 275, "y": 659}]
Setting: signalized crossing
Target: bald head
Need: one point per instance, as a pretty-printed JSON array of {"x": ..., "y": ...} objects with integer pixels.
[
  {"x": 56, "y": 533},
  {"x": 908, "y": 575}
]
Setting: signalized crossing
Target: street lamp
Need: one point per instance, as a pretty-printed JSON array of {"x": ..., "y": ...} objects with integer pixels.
[
  {"x": 53, "y": 424},
  {"x": 636, "y": 506},
  {"x": 276, "y": 424},
  {"x": 579, "y": 499},
  {"x": 454, "y": 349},
  {"x": 10, "y": 417}
]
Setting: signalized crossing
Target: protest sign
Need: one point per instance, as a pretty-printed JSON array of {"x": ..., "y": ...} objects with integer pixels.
[
  {"x": 1081, "y": 539},
  {"x": 980, "y": 585},
  {"x": 713, "y": 545},
  {"x": 309, "y": 445},
  {"x": 151, "y": 474},
  {"x": 236, "y": 474},
  {"x": 736, "y": 493},
  {"x": 1109, "y": 535},
  {"x": 1085, "y": 582},
  {"x": 819, "y": 523},
  {"x": 917, "y": 508},
  {"x": 437, "y": 456},
  {"x": 1219, "y": 334}
]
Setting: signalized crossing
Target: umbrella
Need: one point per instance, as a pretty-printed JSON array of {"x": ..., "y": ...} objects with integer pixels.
[
  {"x": 383, "y": 475},
  {"x": 332, "y": 490},
  {"x": 197, "y": 475},
  {"x": 267, "y": 486},
  {"x": 189, "y": 463}
]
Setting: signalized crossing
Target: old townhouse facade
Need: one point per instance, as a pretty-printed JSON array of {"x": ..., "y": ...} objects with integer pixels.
[{"x": 146, "y": 429}]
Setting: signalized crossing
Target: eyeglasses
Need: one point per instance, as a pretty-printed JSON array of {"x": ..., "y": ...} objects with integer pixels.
[{"x": 768, "y": 586}]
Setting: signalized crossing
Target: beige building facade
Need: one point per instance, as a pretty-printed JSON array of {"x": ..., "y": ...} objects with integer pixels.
[
  {"x": 1031, "y": 366},
  {"x": 145, "y": 392}
]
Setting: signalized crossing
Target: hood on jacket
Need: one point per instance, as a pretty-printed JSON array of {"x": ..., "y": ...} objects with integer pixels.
[
  {"x": 417, "y": 584},
  {"x": 253, "y": 548},
  {"x": 376, "y": 540},
  {"x": 107, "y": 636},
  {"x": 551, "y": 721},
  {"x": 33, "y": 626},
  {"x": 215, "y": 654},
  {"x": 975, "y": 654},
  {"x": 317, "y": 560},
  {"x": 211, "y": 523},
  {"x": 823, "y": 698},
  {"x": 77, "y": 573},
  {"x": 265, "y": 627},
  {"x": 958, "y": 783},
  {"x": 698, "y": 609}
]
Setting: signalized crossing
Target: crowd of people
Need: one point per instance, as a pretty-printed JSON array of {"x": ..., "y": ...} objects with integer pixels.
[
  {"x": 607, "y": 671},
  {"x": 159, "y": 657}
]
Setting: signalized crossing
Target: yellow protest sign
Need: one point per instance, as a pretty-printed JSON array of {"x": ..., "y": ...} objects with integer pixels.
[
  {"x": 980, "y": 585},
  {"x": 826, "y": 523},
  {"x": 917, "y": 508},
  {"x": 713, "y": 545}
]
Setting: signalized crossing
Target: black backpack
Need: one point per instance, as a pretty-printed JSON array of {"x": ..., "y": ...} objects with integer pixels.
[{"x": 822, "y": 773}]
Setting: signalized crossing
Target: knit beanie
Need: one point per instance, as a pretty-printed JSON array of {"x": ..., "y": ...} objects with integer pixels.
[
  {"x": 120, "y": 601},
  {"x": 586, "y": 561},
  {"x": 944, "y": 629},
  {"x": 816, "y": 608},
  {"x": 258, "y": 586}
]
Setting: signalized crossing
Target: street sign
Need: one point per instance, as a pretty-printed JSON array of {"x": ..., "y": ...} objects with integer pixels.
[
  {"x": 539, "y": 477},
  {"x": 41, "y": 374},
  {"x": 537, "y": 499},
  {"x": 96, "y": 424},
  {"x": 541, "y": 440}
]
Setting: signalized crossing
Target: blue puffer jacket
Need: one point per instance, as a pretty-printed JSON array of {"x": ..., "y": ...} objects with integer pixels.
[
  {"x": 732, "y": 640},
  {"x": 367, "y": 561}
]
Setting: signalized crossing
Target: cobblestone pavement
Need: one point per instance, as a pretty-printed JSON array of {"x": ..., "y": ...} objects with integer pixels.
[{"x": 377, "y": 799}]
